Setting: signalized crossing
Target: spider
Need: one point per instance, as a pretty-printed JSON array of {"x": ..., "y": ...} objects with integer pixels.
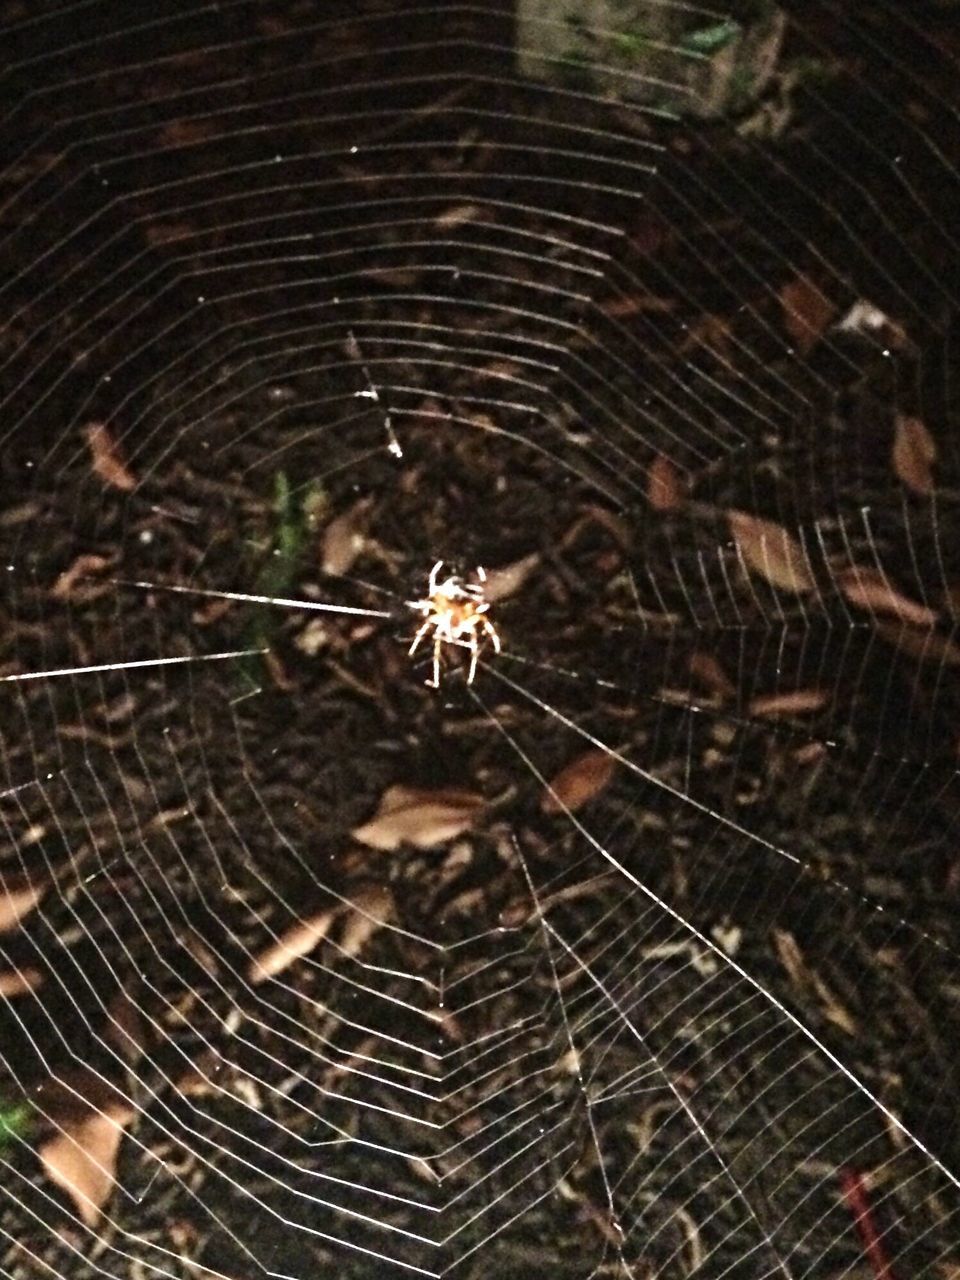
[{"x": 456, "y": 612}]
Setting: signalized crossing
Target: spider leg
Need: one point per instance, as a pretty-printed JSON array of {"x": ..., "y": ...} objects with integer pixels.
[
  {"x": 437, "y": 642},
  {"x": 419, "y": 636},
  {"x": 432, "y": 588},
  {"x": 490, "y": 630},
  {"x": 474, "y": 647}
]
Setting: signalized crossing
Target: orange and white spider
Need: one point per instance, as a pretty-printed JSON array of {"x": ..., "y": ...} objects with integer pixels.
[{"x": 456, "y": 613}]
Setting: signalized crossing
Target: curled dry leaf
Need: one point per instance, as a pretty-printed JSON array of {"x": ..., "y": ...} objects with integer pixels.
[
  {"x": 106, "y": 457},
  {"x": 769, "y": 550},
  {"x": 805, "y": 978},
  {"x": 82, "y": 1158},
  {"x": 591, "y": 516},
  {"x": 407, "y": 815},
  {"x": 18, "y": 899},
  {"x": 863, "y": 317},
  {"x": 798, "y": 702},
  {"x": 806, "y": 312},
  {"x": 509, "y": 578},
  {"x": 666, "y": 487},
  {"x": 198, "y": 1079},
  {"x": 705, "y": 668},
  {"x": 579, "y": 782},
  {"x": 914, "y": 453},
  {"x": 67, "y": 586},
  {"x": 299, "y": 940},
  {"x": 870, "y": 589},
  {"x": 869, "y": 321},
  {"x": 369, "y": 911},
  {"x": 344, "y": 538}
]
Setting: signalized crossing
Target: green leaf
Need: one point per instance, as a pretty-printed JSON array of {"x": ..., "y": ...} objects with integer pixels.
[
  {"x": 286, "y": 541},
  {"x": 14, "y": 1121},
  {"x": 711, "y": 39},
  {"x": 631, "y": 43},
  {"x": 275, "y": 577}
]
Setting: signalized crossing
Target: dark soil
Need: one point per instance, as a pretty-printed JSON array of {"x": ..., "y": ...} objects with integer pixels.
[{"x": 219, "y": 233}]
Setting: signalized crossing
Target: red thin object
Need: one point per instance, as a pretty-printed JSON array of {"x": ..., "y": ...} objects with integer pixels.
[{"x": 855, "y": 1194}]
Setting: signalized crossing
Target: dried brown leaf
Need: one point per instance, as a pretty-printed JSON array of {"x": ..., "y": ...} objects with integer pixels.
[
  {"x": 810, "y": 753},
  {"x": 806, "y": 978},
  {"x": 187, "y": 133},
  {"x": 619, "y": 530},
  {"x": 277, "y": 671},
  {"x": 370, "y": 910},
  {"x": 126, "y": 1029},
  {"x": 198, "y": 1079},
  {"x": 579, "y": 782},
  {"x": 666, "y": 486},
  {"x": 20, "y": 513},
  {"x": 19, "y": 982},
  {"x": 791, "y": 957},
  {"x": 590, "y": 516},
  {"x": 925, "y": 645},
  {"x": 507, "y": 369},
  {"x": 424, "y": 1171},
  {"x": 914, "y": 453},
  {"x": 297, "y": 941},
  {"x": 711, "y": 333},
  {"x": 797, "y": 702},
  {"x": 509, "y": 578},
  {"x": 106, "y": 457},
  {"x": 82, "y": 1158},
  {"x": 396, "y": 277},
  {"x": 408, "y": 815},
  {"x": 705, "y": 668},
  {"x": 806, "y": 312},
  {"x": 868, "y": 588},
  {"x": 833, "y": 1010},
  {"x": 457, "y": 215},
  {"x": 637, "y": 304},
  {"x": 18, "y": 900},
  {"x": 158, "y": 233},
  {"x": 344, "y": 538},
  {"x": 769, "y": 550}
]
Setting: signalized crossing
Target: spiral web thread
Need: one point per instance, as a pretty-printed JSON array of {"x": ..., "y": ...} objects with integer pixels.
[{"x": 269, "y": 265}]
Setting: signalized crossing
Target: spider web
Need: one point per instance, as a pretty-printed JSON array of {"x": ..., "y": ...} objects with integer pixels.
[{"x": 300, "y": 299}]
